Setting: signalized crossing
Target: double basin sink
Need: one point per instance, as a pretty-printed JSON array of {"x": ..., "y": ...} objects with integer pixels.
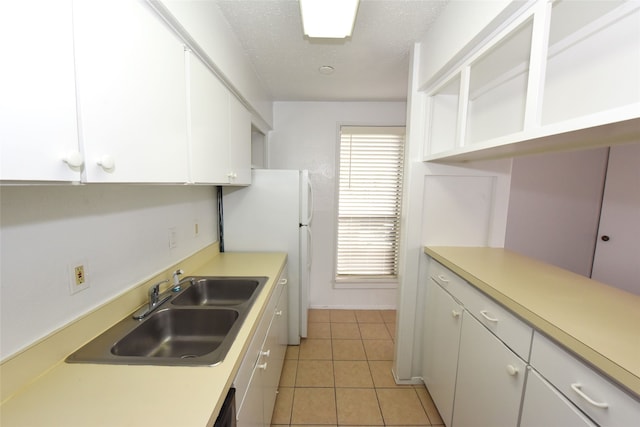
[{"x": 195, "y": 327}]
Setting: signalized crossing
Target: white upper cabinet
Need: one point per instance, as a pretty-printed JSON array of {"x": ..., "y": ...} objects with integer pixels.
[
  {"x": 219, "y": 130},
  {"x": 209, "y": 125},
  {"x": 239, "y": 143},
  {"x": 563, "y": 74},
  {"x": 131, "y": 94},
  {"x": 38, "y": 122}
]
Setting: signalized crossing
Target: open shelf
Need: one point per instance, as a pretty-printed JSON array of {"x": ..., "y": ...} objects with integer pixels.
[
  {"x": 443, "y": 117},
  {"x": 498, "y": 88},
  {"x": 560, "y": 75},
  {"x": 593, "y": 58}
]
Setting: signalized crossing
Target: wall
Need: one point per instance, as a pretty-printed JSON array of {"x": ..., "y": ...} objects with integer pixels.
[
  {"x": 305, "y": 136},
  {"x": 554, "y": 207},
  {"x": 119, "y": 233}
]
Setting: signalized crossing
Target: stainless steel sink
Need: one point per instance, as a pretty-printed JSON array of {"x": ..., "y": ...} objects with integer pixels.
[
  {"x": 184, "y": 334},
  {"x": 196, "y": 327},
  {"x": 219, "y": 291}
]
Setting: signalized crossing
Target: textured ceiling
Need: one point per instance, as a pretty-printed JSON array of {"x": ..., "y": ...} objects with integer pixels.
[{"x": 372, "y": 65}]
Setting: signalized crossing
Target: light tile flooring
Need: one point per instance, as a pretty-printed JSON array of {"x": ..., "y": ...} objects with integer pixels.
[{"x": 340, "y": 375}]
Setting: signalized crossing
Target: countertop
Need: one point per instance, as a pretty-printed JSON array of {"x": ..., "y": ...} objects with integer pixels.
[
  {"x": 599, "y": 323},
  {"x": 121, "y": 395}
]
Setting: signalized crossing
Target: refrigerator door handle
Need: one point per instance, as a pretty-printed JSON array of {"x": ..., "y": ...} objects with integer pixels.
[
  {"x": 309, "y": 201},
  {"x": 309, "y": 249}
]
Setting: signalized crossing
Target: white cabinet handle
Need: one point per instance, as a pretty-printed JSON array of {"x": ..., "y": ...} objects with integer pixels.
[
  {"x": 512, "y": 370},
  {"x": 232, "y": 175},
  {"x": 73, "y": 159},
  {"x": 577, "y": 387},
  {"x": 443, "y": 279},
  {"x": 108, "y": 163},
  {"x": 455, "y": 313},
  {"x": 283, "y": 282},
  {"x": 265, "y": 353},
  {"x": 489, "y": 318},
  {"x": 262, "y": 366},
  {"x": 279, "y": 313}
]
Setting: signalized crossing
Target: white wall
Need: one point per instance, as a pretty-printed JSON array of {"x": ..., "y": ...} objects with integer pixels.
[
  {"x": 554, "y": 207},
  {"x": 119, "y": 232},
  {"x": 305, "y": 136}
]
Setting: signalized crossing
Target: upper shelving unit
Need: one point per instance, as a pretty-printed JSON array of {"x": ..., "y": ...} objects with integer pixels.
[{"x": 562, "y": 75}]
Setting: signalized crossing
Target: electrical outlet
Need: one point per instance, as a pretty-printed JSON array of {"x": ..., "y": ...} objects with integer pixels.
[
  {"x": 79, "y": 275},
  {"x": 78, "y": 280},
  {"x": 173, "y": 238}
]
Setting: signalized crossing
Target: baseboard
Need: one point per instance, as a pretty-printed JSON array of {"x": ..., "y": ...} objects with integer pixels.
[{"x": 353, "y": 307}]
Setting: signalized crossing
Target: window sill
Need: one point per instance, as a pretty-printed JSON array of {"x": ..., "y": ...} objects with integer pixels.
[{"x": 365, "y": 284}]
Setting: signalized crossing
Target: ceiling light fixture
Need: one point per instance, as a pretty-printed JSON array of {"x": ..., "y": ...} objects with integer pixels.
[{"x": 329, "y": 19}]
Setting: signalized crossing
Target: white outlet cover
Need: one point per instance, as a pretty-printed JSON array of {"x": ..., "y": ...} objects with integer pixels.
[
  {"x": 173, "y": 238},
  {"x": 71, "y": 269}
]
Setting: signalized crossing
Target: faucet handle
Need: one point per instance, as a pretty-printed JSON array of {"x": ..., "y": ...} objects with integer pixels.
[{"x": 154, "y": 291}]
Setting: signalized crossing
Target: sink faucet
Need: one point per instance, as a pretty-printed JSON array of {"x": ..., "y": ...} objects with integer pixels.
[
  {"x": 176, "y": 280},
  {"x": 155, "y": 301}
]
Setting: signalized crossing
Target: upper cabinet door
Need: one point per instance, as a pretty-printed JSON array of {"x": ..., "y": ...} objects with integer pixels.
[
  {"x": 38, "y": 122},
  {"x": 239, "y": 143},
  {"x": 209, "y": 125},
  {"x": 131, "y": 94}
]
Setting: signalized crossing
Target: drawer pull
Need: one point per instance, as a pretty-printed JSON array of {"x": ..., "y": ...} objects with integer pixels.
[
  {"x": 265, "y": 353},
  {"x": 282, "y": 282},
  {"x": 279, "y": 313},
  {"x": 577, "y": 388},
  {"x": 489, "y": 318},
  {"x": 455, "y": 313},
  {"x": 443, "y": 279},
  {"x": 262, "y": 366},
  {"x": 512, "y": 370}
]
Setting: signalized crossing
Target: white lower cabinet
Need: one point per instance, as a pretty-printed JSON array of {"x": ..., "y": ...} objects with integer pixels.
[
  {"x": 257, "y": 380},
  {"x": 596, "y": 396},
  {"x": 506, "y": 375},
  {"x": 274, "y": 349},
  {"x": 490, "y": 379},
  {"x": 443, "y": 321},
  {"x": 545, "y": 406}
]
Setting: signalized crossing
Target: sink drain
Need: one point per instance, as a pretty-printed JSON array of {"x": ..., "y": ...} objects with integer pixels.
[{"x": 188, "y": 356}]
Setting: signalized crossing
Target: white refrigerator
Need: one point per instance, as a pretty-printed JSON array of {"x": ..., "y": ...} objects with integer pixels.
[{"x": 274, "y": 214}]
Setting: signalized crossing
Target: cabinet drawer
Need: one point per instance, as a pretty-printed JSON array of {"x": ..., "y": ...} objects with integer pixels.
[
  {"x": 449, "y": 281},
  {"x": 599, "y": 398},
  {"x": 510, "y": 329}
]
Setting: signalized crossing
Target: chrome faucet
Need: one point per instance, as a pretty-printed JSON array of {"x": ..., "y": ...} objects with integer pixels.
[
  {"x": 177, "y": 285},
  {"x": 155, "y": 300}
]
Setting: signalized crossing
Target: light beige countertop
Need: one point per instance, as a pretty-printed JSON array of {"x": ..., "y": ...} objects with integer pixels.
[
  {"x": 121, "y": 395},
  {"x": 599, "y": 323}
]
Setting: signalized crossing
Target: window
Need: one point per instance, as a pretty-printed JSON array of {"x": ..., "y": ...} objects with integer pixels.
[{"x": 369, "y": 199}]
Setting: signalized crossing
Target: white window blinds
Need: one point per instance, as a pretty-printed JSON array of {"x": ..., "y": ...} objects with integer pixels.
[{"x": 370, "y": 194}]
